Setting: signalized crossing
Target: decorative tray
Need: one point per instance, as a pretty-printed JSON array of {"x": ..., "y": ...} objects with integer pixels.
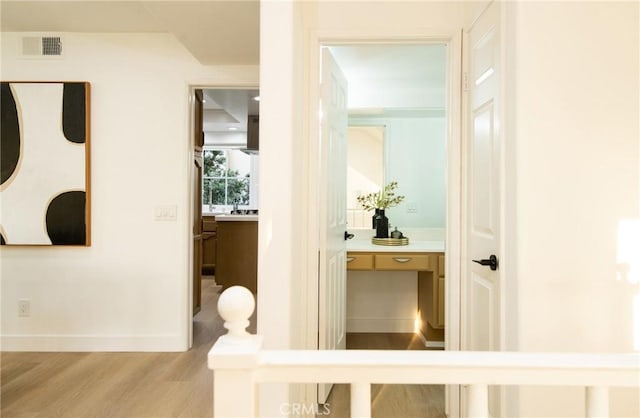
[{"x": 390, "y": 241}]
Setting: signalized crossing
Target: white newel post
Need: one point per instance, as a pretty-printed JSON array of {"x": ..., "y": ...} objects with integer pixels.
[{"x": 234, "y": 357}]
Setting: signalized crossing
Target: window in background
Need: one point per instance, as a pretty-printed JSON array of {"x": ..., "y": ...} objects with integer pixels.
[{"x": 226, "y": 179}]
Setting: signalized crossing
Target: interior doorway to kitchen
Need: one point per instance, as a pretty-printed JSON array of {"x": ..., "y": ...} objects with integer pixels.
[{"x": 223, "y": 177}]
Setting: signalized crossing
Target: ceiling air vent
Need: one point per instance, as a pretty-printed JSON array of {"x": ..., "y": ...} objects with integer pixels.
[{"x": 41, "y": 46}]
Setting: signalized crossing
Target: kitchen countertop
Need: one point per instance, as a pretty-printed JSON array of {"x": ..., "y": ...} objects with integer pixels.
[
  {"x": 236, "y": 218},
  {"x": 412, "y": 247}
]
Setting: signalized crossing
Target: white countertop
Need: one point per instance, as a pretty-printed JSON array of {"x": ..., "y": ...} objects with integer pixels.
[
  {"x": 236, "y": 218},
  {"x": 413, "y": 247}
]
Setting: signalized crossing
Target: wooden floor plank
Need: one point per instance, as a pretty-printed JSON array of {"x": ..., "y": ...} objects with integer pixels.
[
  {"x": 118, "y": 385},
  {"x": 159, "y": 385},
  {"x": 390, "y": 401}
]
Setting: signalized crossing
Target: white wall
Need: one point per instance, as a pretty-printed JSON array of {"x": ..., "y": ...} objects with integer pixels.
[
  {"x": 575, "y": 89},
  {"x": 382, "y": 301},
  {"x": 129, "y": 290},
  {"x": 286, "y": 227},
  {"x": 574, "y": 141},
  {"x": 415, "y": 157}
]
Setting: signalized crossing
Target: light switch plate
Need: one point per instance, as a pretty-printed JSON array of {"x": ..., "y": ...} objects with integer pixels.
[{"x": 166, "y": 213}]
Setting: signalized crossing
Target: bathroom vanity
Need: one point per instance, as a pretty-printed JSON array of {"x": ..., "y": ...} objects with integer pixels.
[{"x": 424, "y": 257}]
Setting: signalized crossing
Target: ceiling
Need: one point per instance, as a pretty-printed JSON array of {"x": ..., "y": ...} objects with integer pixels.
[
  {"x": 227, "y": 110},
  {"x": 379, "y": 70},
  {"x": 194, "y": 23},
  {"x": 394, "y": 76}
]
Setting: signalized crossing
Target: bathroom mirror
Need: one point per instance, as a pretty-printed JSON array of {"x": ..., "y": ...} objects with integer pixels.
[
  {"x": 397, "y": 130},
  {"x": 365, "y": 170}
]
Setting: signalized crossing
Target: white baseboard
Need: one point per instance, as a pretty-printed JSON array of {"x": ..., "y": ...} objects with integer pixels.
[
  {"x": 380, "y": 324},
  {"x": 83, "y": 343},
  {"x": 431, "y": 344}
]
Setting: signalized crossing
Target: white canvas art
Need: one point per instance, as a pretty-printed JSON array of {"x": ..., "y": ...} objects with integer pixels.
[{"x": 44, "y": 164}]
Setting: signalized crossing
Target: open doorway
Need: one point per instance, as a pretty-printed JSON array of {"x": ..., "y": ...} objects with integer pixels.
[
  {"x": 395, "y": 293},
  {"x": 397, "y": 133},
  {"x": 224, "y": 187}
]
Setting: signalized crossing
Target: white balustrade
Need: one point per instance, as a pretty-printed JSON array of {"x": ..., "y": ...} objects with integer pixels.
[{"x": 240, "y": 365}]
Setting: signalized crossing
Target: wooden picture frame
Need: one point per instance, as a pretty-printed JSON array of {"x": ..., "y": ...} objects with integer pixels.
[{"x": 45, "y": 163}]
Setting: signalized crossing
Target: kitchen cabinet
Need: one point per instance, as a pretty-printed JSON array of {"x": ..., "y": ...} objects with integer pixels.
[
  {"x": 198, "y": 141},
  {"x": 209, "y": 244},
  {"x": 237, "y": 252},
  {"x": 431, "y": 282},
  {"x": 253, "y": 133}
]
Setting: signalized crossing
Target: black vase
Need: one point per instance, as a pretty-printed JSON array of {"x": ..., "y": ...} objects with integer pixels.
[
  {"x": 373, "y": 218},
  {"x": 381, "y": 223}
]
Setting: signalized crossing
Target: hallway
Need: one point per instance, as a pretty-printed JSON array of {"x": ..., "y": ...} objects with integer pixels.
[{"x": 163, "y": 385}]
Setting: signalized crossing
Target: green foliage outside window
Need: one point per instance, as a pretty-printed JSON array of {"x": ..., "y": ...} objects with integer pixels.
[{"x": 221, "y": 185}]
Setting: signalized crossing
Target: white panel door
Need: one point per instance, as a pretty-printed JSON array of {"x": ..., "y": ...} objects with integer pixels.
[
  {"x": 484, "y": 147},
  {"x": 333, "y": 211}
]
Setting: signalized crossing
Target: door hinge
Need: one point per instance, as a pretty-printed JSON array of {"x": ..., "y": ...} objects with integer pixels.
[{"x": 465, "y": 82}]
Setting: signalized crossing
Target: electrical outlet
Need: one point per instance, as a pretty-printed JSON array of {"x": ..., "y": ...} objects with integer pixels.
[{"x": 24, "y": 307}]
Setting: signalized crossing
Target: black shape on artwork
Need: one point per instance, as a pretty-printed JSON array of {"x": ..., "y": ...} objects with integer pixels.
[
  {"x": 66, "y": 219},
  {"x": 74, "y": 117},
  {"x": 2, "y": 240},
  {"x": 9, "y": 134}
]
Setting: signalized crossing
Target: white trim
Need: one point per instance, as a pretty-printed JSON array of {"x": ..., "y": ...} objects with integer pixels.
[
  {"x": 453, "y": 228},
  {"x": 191, "y": 88},
  {"x": 509, "y": 396},
  {"x": 85, "y": 343},
  {"x": 453, "y": 40},
  {"x": 189, "y": 225},
  {"x": 434, "y": 344}
]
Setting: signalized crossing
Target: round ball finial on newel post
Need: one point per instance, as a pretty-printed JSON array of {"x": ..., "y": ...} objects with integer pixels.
[{"x": 236, "y": 305}]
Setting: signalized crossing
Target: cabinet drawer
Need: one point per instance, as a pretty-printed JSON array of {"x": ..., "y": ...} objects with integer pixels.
[
  {"x": 359, "y": 261},
  {"x": 402, "y": 262}
]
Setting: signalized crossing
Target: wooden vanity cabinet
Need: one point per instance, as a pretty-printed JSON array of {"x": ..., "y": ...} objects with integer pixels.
[
  {"x": 430, "y": 268},
  {"x": 356, "y": 261},
  {"x": 431, "y": 300},
  {"x": 395, "y": 262},
  {"x": 440, "y": 316}
]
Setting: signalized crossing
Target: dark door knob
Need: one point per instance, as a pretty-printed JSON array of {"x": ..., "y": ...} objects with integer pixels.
[
  {"x": 347, "y": 235},
  {"x": 492, "y": 262}
]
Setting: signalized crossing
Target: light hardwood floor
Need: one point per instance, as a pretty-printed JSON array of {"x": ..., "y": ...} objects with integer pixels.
[
  {"x": 123, "y": 385},
  {"x": 390, "y": 401},
  {"x": 159, "y": 385}
]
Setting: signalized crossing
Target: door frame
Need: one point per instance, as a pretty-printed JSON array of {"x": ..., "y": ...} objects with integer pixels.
[
  {"x": 452, "y": 38},
  {"x": 191, "y": 88}
]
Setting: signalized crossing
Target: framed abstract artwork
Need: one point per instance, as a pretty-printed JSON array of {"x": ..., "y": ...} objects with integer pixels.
[{"x": 45, "y": 164}]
